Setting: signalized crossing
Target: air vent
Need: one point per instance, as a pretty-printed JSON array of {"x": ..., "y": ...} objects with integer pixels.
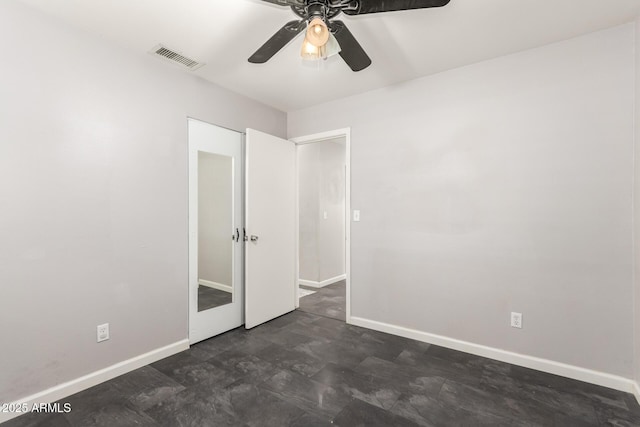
[{"x": 175, "y": 58}]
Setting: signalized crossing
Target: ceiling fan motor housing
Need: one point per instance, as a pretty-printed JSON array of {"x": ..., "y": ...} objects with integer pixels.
[
  {"x": 322, "y": 9},
  {"x": 316, "y": 10}
]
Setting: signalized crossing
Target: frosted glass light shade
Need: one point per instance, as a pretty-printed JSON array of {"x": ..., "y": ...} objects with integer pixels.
[
  {"x": 317, "y": 32},
  {"x": 332, "y": 47},
  {"x": 311, "y": 52}
]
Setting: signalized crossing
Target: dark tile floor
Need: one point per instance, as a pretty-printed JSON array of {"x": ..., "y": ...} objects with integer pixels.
[
  {"x": 210, "y": 298},
  {"x": 307, "y": 370},
  {"x": 329, "y": 301}
]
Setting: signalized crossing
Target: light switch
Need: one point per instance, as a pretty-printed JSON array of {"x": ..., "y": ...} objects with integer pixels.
[
  {"x": 356, "y": 216},
  {"x": 324, "y": 215}
]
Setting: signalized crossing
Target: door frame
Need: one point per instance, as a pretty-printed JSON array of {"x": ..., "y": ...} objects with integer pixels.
[{"x": 310, "y": 139}]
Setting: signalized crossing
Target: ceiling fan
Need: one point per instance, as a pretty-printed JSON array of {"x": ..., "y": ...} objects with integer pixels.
[{"x": 326, "y": 36}]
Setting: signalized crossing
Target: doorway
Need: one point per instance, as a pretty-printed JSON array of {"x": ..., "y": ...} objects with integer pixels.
[
  {"x": 253, "y": 180},
  {"x": 323, "y": 228}
]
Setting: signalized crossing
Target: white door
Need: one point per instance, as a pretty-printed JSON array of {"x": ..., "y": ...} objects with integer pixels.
[
  {"x": 215, "y": 226},
  {"x": 270, "y": 256}
]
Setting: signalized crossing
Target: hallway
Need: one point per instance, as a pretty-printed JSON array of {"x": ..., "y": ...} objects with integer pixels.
[{"x": 329, "y": 301}]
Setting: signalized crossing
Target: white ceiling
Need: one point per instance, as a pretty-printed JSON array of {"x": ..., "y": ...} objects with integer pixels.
[{"x": 403, "y": 45}]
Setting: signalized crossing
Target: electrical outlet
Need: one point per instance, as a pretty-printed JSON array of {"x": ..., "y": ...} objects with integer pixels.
[
  {"x": 103, "y": 332},
  {"x": 356, "y": 216},
  {"x": 516, "y": 320}
]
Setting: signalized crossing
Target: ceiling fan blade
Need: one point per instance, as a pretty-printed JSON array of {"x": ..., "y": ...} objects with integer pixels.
[
  {"x": 278, "y": 41},
  {"x": 375, "y": 6},
  {"x": 351, "y": 51},
  {"x": 286, "y": 2}
]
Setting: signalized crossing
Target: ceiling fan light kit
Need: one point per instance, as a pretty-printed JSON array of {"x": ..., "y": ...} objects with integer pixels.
[
  {"x": 315, "y": 40},
  {"x": 326, "y": 37}
]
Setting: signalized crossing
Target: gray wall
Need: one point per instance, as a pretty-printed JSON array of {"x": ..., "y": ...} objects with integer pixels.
[
  {"x": 215, "y": 198},
  {"x": 309, "y": 211},
  {"x": 501, "y": 186},
  {"x": 321, "y": 177},
  {"x": 93, "y": 206}
]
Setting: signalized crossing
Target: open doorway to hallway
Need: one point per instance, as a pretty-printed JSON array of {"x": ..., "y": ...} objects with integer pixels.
[{"x": 322, "y": 227}]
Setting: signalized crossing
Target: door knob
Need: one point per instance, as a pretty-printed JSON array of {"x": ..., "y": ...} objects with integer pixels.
[{"x": 254, "y": 238}]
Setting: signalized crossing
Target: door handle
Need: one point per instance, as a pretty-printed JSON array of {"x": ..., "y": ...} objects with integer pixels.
[
  {"x": 244, "y": 234},
  {"x": 237, "y": 236},
  {"x": 254, "y": 238}
]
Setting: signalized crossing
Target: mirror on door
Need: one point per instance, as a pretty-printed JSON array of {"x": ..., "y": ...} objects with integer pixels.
[{"x": 215, "y": 230}]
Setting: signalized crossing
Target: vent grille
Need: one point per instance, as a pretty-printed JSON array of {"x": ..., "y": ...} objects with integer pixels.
[{"x": 175, "y": 58}]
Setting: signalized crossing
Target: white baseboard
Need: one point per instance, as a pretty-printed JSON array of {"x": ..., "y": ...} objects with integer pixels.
[
  {"x": 545, "y": 365},
  {"x": 309, "y": 283},
  {"x": 322, "y": 284},
  {"x": 63, "y": 390},
  {"x": 636, "y": 391},
  {"x": 215, "y": 285}
]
